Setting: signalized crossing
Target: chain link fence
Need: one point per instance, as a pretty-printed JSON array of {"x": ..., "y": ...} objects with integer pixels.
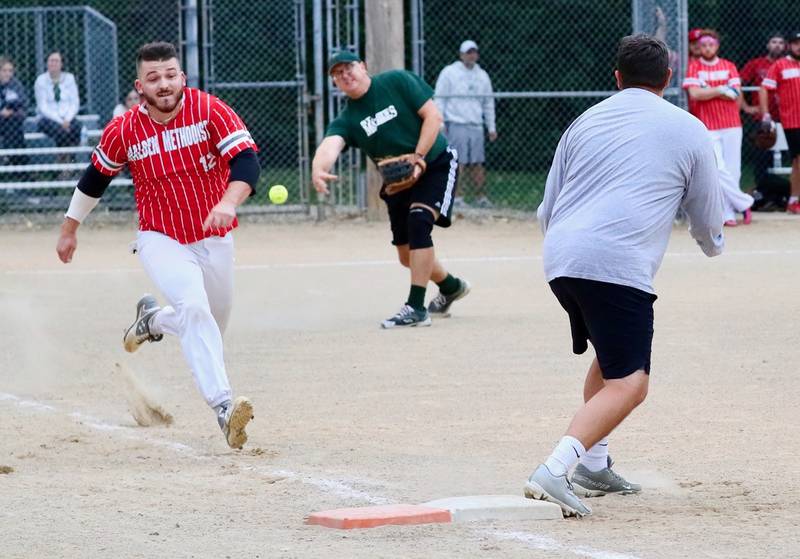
[
  {"x": 97, "y": 43},
  {"x": 548, "y": 61}
]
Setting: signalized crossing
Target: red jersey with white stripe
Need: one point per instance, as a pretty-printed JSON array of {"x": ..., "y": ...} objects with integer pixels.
[
  {"x": 784, "y": 76},
  {"x": 179, "y": 169},
  {"x": 753, "y": 73},
  {"x": 720, "y": 112}
]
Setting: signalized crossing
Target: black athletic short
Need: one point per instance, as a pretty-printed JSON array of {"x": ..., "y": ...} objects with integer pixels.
[
  {"x": 617, "y": 319},
  {"x": 436, "y": 188},
  {"x": 793, "y": 139}
]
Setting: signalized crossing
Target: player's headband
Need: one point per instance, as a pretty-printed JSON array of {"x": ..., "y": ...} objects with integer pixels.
[{"x": 708, "y": 40}]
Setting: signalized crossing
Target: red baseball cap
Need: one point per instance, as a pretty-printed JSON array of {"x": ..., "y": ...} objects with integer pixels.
[{"x": 695, "y": 34}]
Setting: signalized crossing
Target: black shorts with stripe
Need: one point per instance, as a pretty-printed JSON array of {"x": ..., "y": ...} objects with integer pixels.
[
  {"x": 436, "y": 189},
  {"x": 617, "y": 319}
]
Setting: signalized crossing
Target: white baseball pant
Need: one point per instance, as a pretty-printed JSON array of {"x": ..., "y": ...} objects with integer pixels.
[
  {"x": 197, "y": 281},
  {"x": 728, "y": 149}
]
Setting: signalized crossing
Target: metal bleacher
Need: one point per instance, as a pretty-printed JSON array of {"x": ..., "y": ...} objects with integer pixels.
[{"x": 46, "y": 180}]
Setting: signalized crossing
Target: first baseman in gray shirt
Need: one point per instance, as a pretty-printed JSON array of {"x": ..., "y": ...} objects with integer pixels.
[{"x": 620, "y": 173}]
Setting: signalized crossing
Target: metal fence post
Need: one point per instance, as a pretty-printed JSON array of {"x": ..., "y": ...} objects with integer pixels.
[{"x": 190, "y": 42}]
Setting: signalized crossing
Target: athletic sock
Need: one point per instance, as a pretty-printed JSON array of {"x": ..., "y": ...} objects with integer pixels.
[
  {"x": 416, "y": 297},
  {"x": 596, "y": 458},
  {"x": 449, "y": 285},
  {"x": 565, "y": 455}
]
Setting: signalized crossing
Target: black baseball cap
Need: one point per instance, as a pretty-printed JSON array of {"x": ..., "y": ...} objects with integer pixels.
[
  {"x": 793, "y": 36},
  {"x": 343, "y": 57}
]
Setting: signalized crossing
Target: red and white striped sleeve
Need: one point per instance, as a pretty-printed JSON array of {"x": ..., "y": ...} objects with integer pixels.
[
  {"x": 228, "y": 133},
  {"x": 109, "y": 157},
  {"x": 692, "y": 78},
  {"x": 770, "y": 81}
]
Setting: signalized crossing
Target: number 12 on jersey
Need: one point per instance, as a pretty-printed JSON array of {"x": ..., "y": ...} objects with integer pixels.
[{"x": 208, "y": 161}]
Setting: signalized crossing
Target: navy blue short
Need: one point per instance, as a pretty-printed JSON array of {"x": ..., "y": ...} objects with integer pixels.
[{"x": 617, "y": 319}]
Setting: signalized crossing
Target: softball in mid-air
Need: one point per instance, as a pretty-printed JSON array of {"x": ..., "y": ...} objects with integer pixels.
[{"x": 278, "y": 194}]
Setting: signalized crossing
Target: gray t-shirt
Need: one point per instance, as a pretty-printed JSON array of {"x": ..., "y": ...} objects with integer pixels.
[{"x": 619, "y": 175}]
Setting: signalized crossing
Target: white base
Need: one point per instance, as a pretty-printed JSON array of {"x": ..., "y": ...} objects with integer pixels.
[{"x": 497, "y": 507}]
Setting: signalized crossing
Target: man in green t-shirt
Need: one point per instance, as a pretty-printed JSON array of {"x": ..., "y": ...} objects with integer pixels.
[{"x": 391, "y": 114}]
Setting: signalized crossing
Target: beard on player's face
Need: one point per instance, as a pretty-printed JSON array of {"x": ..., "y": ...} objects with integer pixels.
[
  {"x": 164, "y": 99},
  {"x": 709, "y": 52}
]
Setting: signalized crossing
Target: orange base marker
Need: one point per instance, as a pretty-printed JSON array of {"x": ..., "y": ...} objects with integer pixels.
[{"x": 382, "y": 515}]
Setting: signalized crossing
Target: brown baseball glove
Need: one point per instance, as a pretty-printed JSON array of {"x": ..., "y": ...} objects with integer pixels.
[
  {"x": 398, "y": 172},
  {"x": 765, "y": 136}
]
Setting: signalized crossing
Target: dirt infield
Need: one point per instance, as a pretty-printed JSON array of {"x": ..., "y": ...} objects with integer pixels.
[{"x": 348, "y": 415}]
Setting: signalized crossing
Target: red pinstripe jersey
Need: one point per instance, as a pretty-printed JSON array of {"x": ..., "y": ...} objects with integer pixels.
[
  {"x": 720, "y": 112},
  {"x": 179, "y": 169},
  {"x": 784, "y": 77}
]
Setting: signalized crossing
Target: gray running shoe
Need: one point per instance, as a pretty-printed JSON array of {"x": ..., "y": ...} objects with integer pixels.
[
  {"x": 544, "y": 486},
  {"x": 233, "y": 418},
  {"x": 139, "y": 332},
  {"x": 407, "y": 316},
  {"x": 596, "y": 484},
  {"x": 440, "y": 305}
]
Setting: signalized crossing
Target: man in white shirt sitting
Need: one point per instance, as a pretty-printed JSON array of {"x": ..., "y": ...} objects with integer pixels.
[
  {"x": 465, "y": 98},
  {"x": 57, "y": 103}
]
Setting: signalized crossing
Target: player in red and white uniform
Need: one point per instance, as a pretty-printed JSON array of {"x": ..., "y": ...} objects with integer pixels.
[
  {"x": 714, "y": 84},
  {"x": 193, "y": 162},
  {"x": 784, "y": 77},
  {"x": 752, "y": 74}
]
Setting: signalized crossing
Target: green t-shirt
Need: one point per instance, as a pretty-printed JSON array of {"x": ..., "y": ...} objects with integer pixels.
[{"x": 384, "y": 121}]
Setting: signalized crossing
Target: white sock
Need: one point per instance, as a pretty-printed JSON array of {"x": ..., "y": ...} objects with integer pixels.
[
  {"x": 596, "y": 458},
  {"x": 565, "y": 455}
]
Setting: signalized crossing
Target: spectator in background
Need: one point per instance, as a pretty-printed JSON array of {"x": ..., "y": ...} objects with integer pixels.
[
  {"x": 783, "y": 77},
  {"x": 694, "y": 54},
  {"x": 13, "y": 107},
  {"x": 714, "y": 84},
  {"x": 753, "y": 74},
  {"x": 57, "y": 103},
  {"x": 466, "y": 114},
  {"x": 131, "y": 100}
]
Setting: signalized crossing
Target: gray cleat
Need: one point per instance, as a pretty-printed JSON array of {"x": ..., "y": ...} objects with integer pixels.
[
  {"x": 440, "y": 304},
  {"x": 407, "y": 316},
  {"x": 139, "y": 332},
  {"x": 596, "y": 484},
  {"x": 544, "y": 486},
  {"x": 233, "y": 418}
]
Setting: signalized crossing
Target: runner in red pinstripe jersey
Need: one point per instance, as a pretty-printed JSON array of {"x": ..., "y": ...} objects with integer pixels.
[
  {"x": 714, "y": 84},
  {"x": 193, "y": 162},
  {"x": 180, "y": 168}
]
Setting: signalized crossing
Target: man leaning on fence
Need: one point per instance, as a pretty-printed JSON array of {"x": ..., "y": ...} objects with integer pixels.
[
  {"x": 57, "y": 103},
  {"x": 13, "y": 106},
  {"x": 465, "y": 98}
]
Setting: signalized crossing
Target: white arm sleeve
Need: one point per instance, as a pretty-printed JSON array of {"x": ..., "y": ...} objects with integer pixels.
[
  {"x": 80, "y": 206},
  {"x": 555, "y": 181}
]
